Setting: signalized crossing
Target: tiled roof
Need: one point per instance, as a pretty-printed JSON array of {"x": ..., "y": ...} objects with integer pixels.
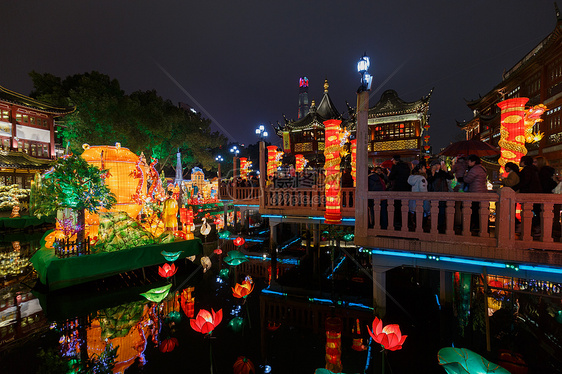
[
  {"x": 20, "y": 160},
  {"x": 19, "y": 99}
]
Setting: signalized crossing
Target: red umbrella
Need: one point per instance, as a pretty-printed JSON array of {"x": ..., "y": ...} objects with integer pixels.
[
  {"x": 470, "y": 147},
  {"x": 387, "y": 164}
]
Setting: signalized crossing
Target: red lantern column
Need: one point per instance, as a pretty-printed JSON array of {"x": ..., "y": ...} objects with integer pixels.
[
  {"x": 243, "y": 167},
  {"x": 332, "y": 167},
  {"x": 271, "y": 160},
  {"x": 333, "y": 344},
  {"x": 299, "y": 163},
  {"x": 354, "y": 160},
  {"x": 512, "y": 130}
]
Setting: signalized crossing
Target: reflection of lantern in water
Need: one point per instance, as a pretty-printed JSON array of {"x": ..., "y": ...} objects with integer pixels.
[
  {"x": 187, "y": 302},
  {"x": 333, "y": 344},
  {"x": 332, "y": 167},
  {"x": 512, "y": 130},
  {"x": 354, "y": 160},
  {"x": 123, "y": 165},
  {"x": 299, "y": 163},
  {"x": 272, "y": 162},
  {"x": 243, "y": 167}
]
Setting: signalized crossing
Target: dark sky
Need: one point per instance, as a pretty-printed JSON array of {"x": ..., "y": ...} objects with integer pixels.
[{"x": 241, "y": 60}]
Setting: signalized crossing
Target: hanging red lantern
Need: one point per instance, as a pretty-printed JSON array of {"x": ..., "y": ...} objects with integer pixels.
[
  {"x": 426, "y": 127},
  {"x": 239, "y": 241},
  {"x": 426, "y": 147},
  {"x": 271, "y": 160},
  {"x": 426, "y": 138},
  {"x": 332, "y": 147},
  {"x": 512, "y": 130},
  {"x": 243, "y": 167},
  {"x": 354, "y": 160},
  {"x": 243, "y": 365}
]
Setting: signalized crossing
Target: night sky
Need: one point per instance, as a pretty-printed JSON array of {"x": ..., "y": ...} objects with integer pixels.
[{"x": 239, "y": 62}]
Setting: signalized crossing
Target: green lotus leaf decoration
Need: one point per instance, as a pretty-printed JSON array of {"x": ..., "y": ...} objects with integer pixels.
[
  {"x": 236, "y": 324},
  {"x": 224, "y": 234},
  {"x": 235, "y": 258},
  {"x": 348, "y": 237},
  {"x": 173, "y": 316},
  {"x": 171, "y": 256},
  {"x": 158, "y": 294},
  {"x": 223, "y": 273}
]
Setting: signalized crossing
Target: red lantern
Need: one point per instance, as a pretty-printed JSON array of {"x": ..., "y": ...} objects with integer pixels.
[
  {"x": 166, "y": 271},
  {"x": 426, "y": 138},
  {"x": 426, "y": 147},
  {"x": 332, "y": 167},
  {"x": 299, "y": 163},
  {"x": 271, "y": 160},
  {"x": 206, "y": 321},
  {"x": 168, "y": 345},
  {"x": 243, "y": 167},
  {"x": 354, "y": 160},
  {"x": 389, "y": 337},
  {"x": 512, "y": 130},
  {"x": 239, "y": 241},
  {"x": 243, "y": 366},
  {"x": 240, "y": 291},
  {"x": 187, "y": 302},
  {"x": 333, "y": 344}
]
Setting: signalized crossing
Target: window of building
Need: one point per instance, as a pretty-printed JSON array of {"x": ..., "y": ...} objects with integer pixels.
[
  {"x": 6, "y": 144},
  {"x": 20, "y": 146},
  {"x": 5, "y": 115},
  {"x": 32, "y": 120},
  {"x": 393, "y": 131},
  {"x": 33, "y": 149},
  {"x": 26, "y": 147},
  {"x": 46, "y": 150},
  {"x": 18, "y": 117},
  {"x": 25, "y": 118}
]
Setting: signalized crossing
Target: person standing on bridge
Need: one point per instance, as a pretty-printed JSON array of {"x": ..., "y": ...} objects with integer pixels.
[
  {"x": 398, "y": 179},
  {"x": 475, "y": 178}
]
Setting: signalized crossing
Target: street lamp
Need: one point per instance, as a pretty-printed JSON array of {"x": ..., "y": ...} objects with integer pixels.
[
  {"x": 261, "y": 133},
  {"x": 219, "y": 159},
  {"x": 362, "y": 68},
  {"x": 234, "y": 150}
]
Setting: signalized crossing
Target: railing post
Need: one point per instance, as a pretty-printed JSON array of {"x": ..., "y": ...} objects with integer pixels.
[
  {"x": 361, "y": 180},
  {"x": 505, "y": 218}
]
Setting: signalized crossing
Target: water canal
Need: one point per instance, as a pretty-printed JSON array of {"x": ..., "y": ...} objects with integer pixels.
[{"x": 280, "y": 328}]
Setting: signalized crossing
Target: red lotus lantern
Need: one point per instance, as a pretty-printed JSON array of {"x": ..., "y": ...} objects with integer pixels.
[
  {"x": 426, "y": 127},
  {"x": 168, "y": 345},
  {"x": 332, "y": 167},
  {"x": 240, "y": 291},
  {"x": 426, "y": 138},
  {"x": 426, "y": 147},
  {"x": 206, "y": 322},
  {"x": 354, "y": 160},
  {"x": 512, "y": 130},
  {"x": 166, "y": 271},
  {"x": 389, "y": 337},
  {"x": 187, "y": 302},
  {"x": 239, "y": 241},
  {"x": 242, "y": 365}
]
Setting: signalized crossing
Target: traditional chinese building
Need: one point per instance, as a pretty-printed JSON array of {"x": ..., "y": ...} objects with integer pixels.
[
  {"x": 396, "y": 127},
  {"x": 27, "y": 136},
  {"x": 537, "y": 76},
  {"x": 306, "y": 135}
]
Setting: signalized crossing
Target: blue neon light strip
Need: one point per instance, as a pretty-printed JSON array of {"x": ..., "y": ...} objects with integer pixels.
[
  {"x": 322, "y": 301},
  {"x": 543, "y": 269},
  {"x": 399, "y": 254},
  {"x": 271, "y": 216},
  {"x": 289, "y": 261},
  {"x": 473, "y": 262},
  {"x": 248, "y": 205},
  {"x": 337, "y": 267},
  {"x": 254, "y": 240}
]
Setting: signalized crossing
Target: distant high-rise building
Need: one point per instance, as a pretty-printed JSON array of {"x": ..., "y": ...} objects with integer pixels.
[{"x": 303, "y": 97}]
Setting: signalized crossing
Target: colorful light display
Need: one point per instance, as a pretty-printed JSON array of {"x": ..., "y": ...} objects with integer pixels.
[
  {"x": 241, "y": 291},
  {"x": 332, "y": 167},
  {"x": 243, "y": 365},
  {"x": 126, "y": 175},
  {"x": 512, "y": 130},
  {"x": 187, "y": 302},
  {"x": 354, "y": 160},
  {"x": 206, "y": 322},
  {"x": 167, "y": 270}
]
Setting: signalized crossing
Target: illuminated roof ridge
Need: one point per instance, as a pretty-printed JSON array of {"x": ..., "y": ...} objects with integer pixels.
[
  {"x": 20, "y": 99},
  {"x": 391, "y": 104}
]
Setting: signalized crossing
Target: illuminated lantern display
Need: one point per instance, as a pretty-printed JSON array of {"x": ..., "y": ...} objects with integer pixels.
[
  {"x": 332, "y": 167},
  {"x": 272, "y": 162},
  {"x": 462, "y": 360},
  {"x": 166, "y": 271},
  {"x": 186, "y": 219},
  {"x": 187, "y": 302},
  {"x": 206, "y": 322},
  {"x": 240, "y": 291},
  {"x": 239, "y": 241},
  {"x": 354, "y": 160},
  {"x": 388, "y": 336},
  {"x": 126, "y": 177},
  {"x": 243, "y": 366},
  {"x": 168, "y": 345},
  {"x": 532, "y": 116},
  {"x": 158, "y": 294},
  {"x": 512, "y": 131},
  {"x": 299, "y": 163},
  {"x": 243, "y": 167},
  {"x": 333, "y": 344}
]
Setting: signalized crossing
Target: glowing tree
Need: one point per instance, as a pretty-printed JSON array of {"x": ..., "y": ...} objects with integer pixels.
[{"x": 73, "y": 183}]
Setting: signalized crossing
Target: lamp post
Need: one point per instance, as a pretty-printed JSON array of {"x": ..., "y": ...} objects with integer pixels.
[
  {"x": 261, "y": 133},
  {"x": 219, "y": 159}
]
